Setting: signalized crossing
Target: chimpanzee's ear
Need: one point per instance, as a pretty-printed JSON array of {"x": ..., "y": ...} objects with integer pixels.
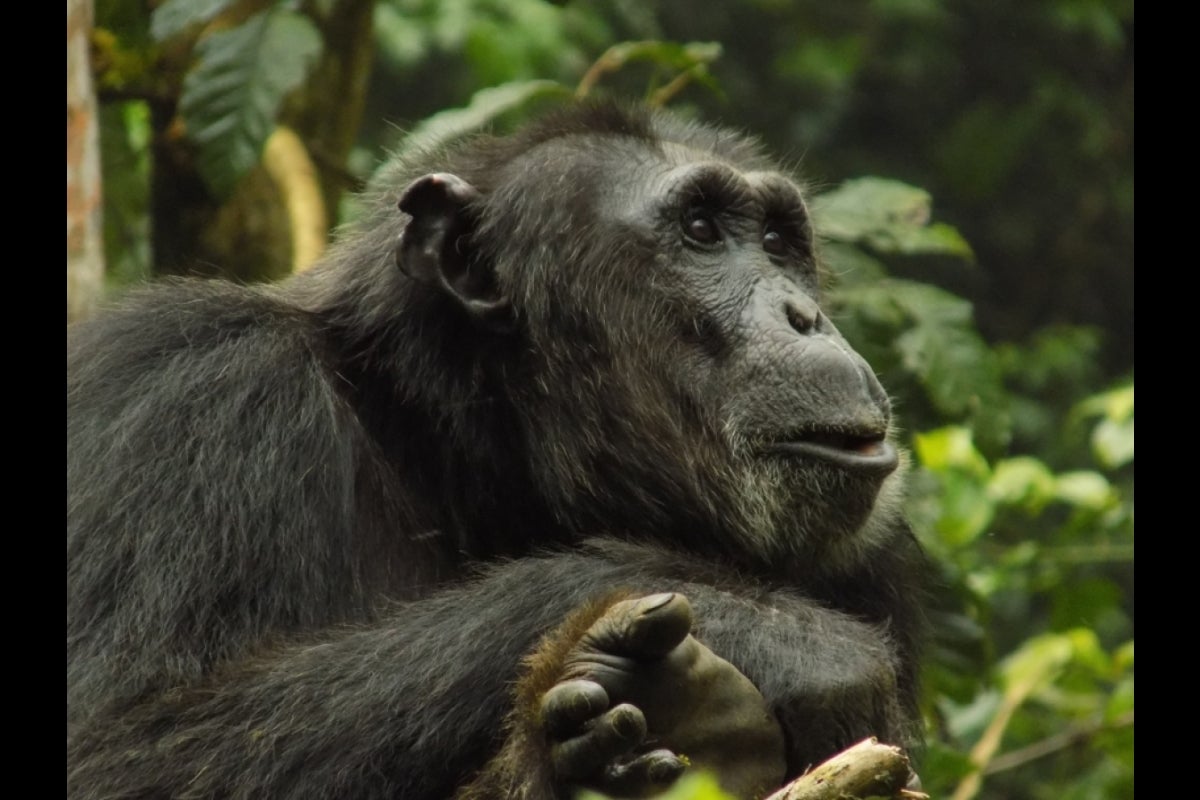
[{"x": 436, "y": 248}]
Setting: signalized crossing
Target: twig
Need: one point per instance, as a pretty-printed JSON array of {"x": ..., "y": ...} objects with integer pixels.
[
  {"x": 1074, "y": 735},
  {"x": 610, "y": 60},
  {"x": 868, "y": 769},
  {"x": 677, "y": 84}
]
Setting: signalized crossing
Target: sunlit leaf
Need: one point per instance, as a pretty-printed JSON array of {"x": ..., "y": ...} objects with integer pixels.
[
  {"x": 1084, "y": 488},
  {"x": 965, "y": 510},
  {"x": 1036, "y": 663},
  {"x": 1087, "y": 649},
  {"x": 950, "y": 447},
  {"x": 986, "y": 581},
  {"x": 1115, "y": 404},
  {"x": 1023, "y": 481},
  {"x": 1112, "y": 442},
  {"x": 1112, "y": 437},
  {"x": 1119, "y": 403}
]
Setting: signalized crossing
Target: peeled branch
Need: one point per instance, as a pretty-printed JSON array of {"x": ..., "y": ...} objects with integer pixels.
[{"x": 866, "y": 770}]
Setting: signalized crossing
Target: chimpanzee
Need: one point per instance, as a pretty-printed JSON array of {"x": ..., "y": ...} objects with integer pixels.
[{"x": 553, "y": 474}]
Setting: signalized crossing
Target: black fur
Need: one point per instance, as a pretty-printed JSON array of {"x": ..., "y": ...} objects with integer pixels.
[{"x": 314, "y": 528}]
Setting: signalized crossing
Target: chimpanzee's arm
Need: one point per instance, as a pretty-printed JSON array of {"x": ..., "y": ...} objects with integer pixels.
[{"x": 412, "y": 705}]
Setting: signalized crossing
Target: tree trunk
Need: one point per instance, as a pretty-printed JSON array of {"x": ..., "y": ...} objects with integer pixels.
[{"x": 85, "y": 242}]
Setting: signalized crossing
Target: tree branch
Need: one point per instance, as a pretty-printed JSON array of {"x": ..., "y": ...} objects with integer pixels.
[{"x": 868, "y": 769}]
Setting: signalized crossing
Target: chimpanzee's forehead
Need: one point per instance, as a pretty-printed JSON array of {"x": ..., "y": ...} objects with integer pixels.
[
  {"x": 651, "y": 177},
  {"x": 579, "y": 152}
]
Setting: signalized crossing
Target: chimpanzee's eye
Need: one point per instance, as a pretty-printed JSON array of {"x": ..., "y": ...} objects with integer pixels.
[
  {"x": 773, "y": 243},
  {"x": 700, "y": 228}
]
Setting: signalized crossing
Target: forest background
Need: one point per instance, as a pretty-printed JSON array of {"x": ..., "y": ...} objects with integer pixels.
[{"x": 972, "y": 168}]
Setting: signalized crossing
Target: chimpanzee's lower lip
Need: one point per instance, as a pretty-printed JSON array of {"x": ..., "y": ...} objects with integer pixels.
[{"x": 858, "y": 454}]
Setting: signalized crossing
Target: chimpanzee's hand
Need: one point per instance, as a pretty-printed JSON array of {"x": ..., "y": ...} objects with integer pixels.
[{"x": 639, "y": 700}]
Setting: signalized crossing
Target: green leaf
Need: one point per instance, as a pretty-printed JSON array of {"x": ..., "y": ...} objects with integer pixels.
[
  {"x": 929, "y": 334},
  {"x": 1112, "y": 438},
  {"x": 1123, "y": 657},
  {"x": 692, "y": 786},
  {"x": 1115, "y": 404},
  {"x": 850, "y": 266},
  {"x": 966, "y": 510},
  {"x": 1036, "y": 663},
  {"x": 1041, "y": 661},
  {"x": 903, "y": 304},
  {"x": 966, "y": 721},
  {"x": 485, "y": 106},
  {"x": 1120, "y": 701},
  {"x": 887, "y": 215},
  {"x": 174, "y": 16},
  {"x": 1087, "y": 650},
  {"x": 232, "y": 95},
  {"x": 1112, "y": 443},
  {"x": 1084, "y": 488},
  {"x": 1022, "y": 481},
  {"x": 953, "y": 366},
  {"x": 1119, "y": 404},
  {"x": 947, "y": 448}
]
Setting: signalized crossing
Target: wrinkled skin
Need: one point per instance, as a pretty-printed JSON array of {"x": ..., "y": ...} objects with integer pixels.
[{"x": 640, "y": 699}]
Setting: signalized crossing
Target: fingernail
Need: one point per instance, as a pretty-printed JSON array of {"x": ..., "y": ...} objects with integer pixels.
[
  {"x": 656, "y": 601},
  {"x": 625, "y": 723}
]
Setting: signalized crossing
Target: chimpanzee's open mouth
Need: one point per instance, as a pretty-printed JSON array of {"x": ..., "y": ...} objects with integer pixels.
[{"x": 870, "y": 452}]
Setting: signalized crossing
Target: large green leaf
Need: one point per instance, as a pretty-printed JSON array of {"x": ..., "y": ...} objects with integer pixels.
[
  {"x": 930, "y": 335},
  {"x": 887, "y": 215},
  {"x": 954, "y": 366},
  {"x": 231, "y": 96},
  {"x": 174, "y": 16}
]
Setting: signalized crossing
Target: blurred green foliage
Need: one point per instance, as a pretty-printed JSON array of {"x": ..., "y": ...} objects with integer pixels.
[{"x": 1013, "y": 375}]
